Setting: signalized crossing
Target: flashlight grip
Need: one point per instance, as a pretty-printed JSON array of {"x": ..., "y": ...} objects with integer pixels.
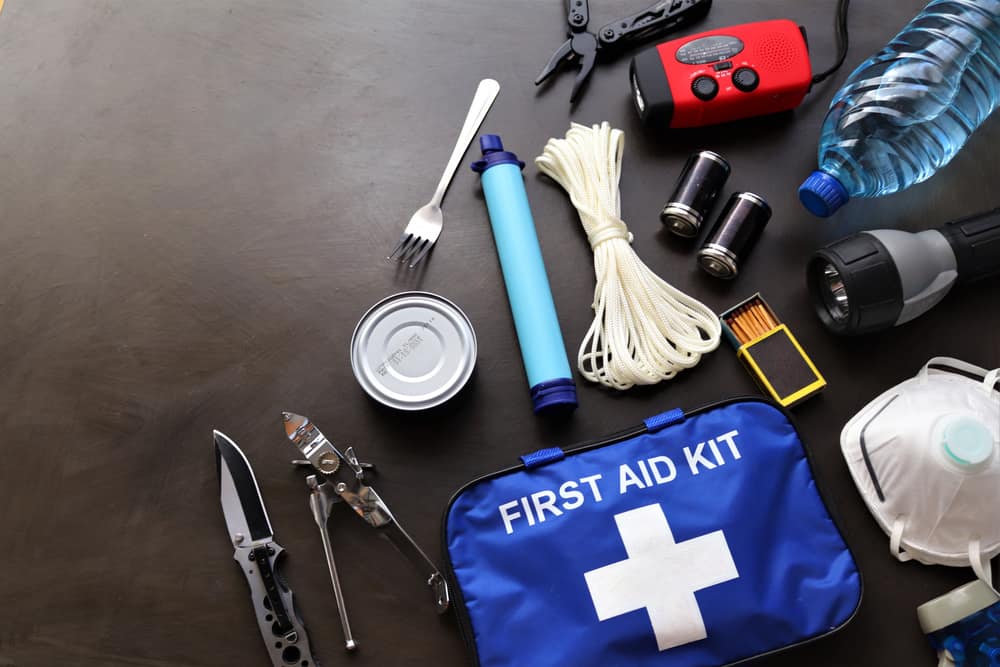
[{"x": 976, "y": 243}]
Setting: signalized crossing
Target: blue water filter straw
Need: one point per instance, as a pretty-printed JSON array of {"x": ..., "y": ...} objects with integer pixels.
[{"x": 542, "y": 349}]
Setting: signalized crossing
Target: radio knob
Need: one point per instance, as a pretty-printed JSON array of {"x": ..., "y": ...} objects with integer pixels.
[
  {"x": 746, "y": 79},
  {"x": 704, "y": 88}
]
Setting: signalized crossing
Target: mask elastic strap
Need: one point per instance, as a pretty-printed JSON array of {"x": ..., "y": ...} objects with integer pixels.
[
  {"x": 991, "y": 380},
  {"x": 952, "y": 363},
  {"x": 896, "y": 540},
  {"x": 980, "y": 565}
]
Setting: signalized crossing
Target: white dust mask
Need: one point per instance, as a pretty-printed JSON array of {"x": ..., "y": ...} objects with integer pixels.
[{"x": 925, "y": 456}]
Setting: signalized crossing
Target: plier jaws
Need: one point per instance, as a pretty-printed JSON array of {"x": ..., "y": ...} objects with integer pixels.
[{"x": 582, "y": 47}]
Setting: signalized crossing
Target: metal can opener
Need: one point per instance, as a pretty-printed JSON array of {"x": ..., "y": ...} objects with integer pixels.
[{"x": 341, "y": 477}]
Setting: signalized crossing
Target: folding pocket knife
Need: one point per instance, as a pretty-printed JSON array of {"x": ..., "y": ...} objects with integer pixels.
[{"x": 259, "y": 557}]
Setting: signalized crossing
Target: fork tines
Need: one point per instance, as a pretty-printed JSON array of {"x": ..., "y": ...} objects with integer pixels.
[{"x": 411, "y": 249}]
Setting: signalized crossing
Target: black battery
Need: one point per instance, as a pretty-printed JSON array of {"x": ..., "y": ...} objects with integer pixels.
[
  {"x": 699, "y": 184},
  {"x": 735, "y": 233}
]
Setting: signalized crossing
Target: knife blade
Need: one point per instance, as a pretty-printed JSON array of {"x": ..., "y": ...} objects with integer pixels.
[{"x": 259, "y": 556}]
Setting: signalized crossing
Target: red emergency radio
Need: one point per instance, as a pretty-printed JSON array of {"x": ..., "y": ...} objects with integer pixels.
[{"x": 722, "y": 75}]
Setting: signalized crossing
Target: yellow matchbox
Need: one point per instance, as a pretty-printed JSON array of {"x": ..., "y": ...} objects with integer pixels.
[{"x": 770, "y": 352}]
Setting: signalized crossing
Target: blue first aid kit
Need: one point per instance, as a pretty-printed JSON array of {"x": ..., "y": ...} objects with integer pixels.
[{"x": 691, "y": 540}]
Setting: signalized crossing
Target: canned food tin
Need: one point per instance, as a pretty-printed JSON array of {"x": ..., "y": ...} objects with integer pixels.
[{"x": 413, "y": 350}]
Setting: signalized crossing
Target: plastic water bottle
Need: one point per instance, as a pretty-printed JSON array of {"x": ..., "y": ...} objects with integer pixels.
[{"x": 907, "y": 110}]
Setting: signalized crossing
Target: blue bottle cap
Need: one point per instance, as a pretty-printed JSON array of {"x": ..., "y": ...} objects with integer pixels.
[
  {"x": 557, "y": 395},
  {"x": 494, "y": 154},
  {"x": 822, "y": 194}
]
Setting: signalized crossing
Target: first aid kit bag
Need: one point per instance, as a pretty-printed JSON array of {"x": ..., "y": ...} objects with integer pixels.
[{"x": 691, "y": 540}]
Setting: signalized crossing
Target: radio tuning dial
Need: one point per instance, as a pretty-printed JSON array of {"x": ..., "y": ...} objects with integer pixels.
[
  {"x": 746, "y": 79},
  {"x": 704, "y": 88}
]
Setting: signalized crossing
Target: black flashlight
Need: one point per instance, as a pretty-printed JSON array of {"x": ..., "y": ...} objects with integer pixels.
[{"x": 879, "y": 279}]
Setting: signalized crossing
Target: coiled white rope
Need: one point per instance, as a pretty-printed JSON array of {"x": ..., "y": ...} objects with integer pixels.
[{"x": 644, "y": 329}]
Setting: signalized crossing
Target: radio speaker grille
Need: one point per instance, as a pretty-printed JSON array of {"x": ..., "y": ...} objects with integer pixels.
[{"x": 776, "y": 53}]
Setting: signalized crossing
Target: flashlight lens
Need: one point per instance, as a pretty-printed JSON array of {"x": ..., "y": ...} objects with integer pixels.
[
  {"x": 640, "y": 104},
  {"x": 835, "y": 296}
]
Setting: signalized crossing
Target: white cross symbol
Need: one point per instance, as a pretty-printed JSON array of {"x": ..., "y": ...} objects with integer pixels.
[{"x": 661, "y": 576}]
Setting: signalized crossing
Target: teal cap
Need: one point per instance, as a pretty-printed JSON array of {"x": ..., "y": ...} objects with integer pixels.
[{"x": 967, "y": 442}]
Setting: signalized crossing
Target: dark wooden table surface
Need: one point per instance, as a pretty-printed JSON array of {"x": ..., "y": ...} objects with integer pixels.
[{"x": 195, "y": 203}]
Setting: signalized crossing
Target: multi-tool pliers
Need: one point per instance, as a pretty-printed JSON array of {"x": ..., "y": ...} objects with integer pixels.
[
  {"x": 341, "y": 477},
  {"x": 585, "y": 47}
]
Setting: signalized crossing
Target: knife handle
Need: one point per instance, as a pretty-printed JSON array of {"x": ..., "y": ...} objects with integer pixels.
[{"x": 274, "y": 605}]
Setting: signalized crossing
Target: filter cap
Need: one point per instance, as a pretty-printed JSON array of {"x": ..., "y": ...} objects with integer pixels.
[
  {"x": 822, "y": 194},
  {"x": 557, "y": 395},
  {"x": 494, "y": 154}
]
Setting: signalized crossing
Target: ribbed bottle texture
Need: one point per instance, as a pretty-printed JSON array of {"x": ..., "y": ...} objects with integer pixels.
[{"x": 907, "y": 110}]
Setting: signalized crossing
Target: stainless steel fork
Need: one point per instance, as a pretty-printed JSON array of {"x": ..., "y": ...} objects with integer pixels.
[{"x": 424, "y": 228}]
